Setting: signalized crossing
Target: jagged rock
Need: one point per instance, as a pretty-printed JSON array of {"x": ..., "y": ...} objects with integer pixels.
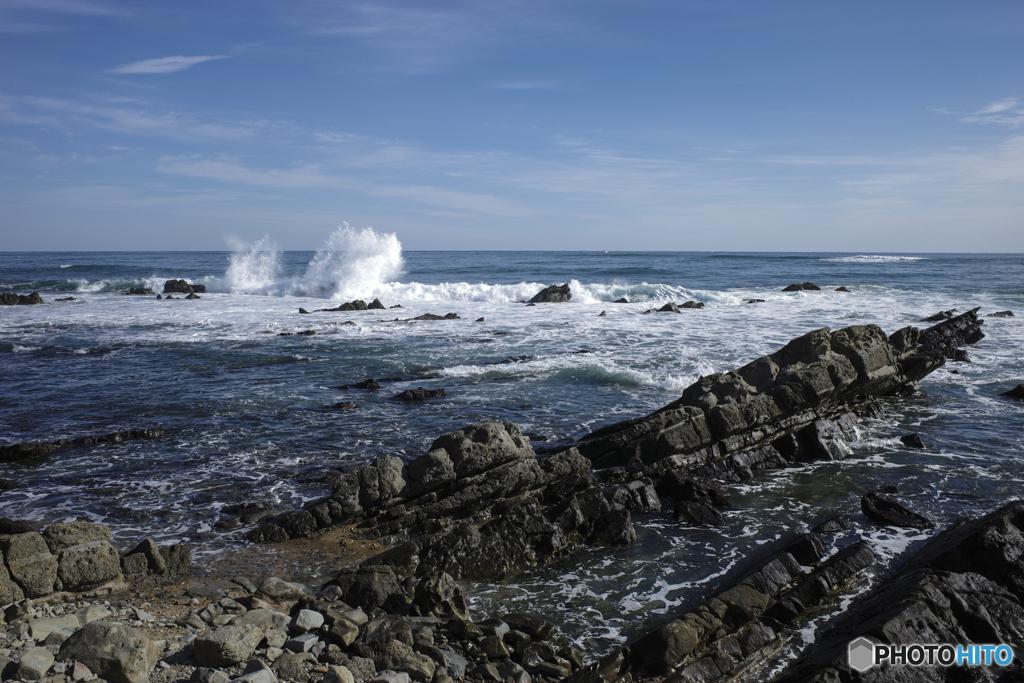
[
  {"x": 699, "y": 514},
  {"x": 552, "y": 294},
  {"x": 418, "y": 394},
  {"x": 12, "y": 299},
  {"x": 368, "y": 587},
  {"x": 437, "y": 595},
  {"x": 963, "y": 586},
  {"x": 303, "y": 311},
  {"x": 368, "y": 384},
  {"x": 886, "y": 510},
  {"x": 182, "y": 287},
  {"x": 376, "y": 305},
  {"x": 623, "y": 300},
  {"x": 1016, "y": 392},
  {"x": 483, "y": 446},
  {"x": 114, "y": 652},
  {"x": 912, "y": 441},
  {"x": 803, "y": 286},
  {"x": 997, "y": 314}
]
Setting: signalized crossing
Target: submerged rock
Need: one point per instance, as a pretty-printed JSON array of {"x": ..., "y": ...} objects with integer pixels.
[
  {"x": 887, "y": 511},
  {"x": 1016, "y": 392},
  {"x": 803, "y": 286},
  {"x": 419, "y": 394},
  {"x": 433, "y": 316},
  {"x": 552, "y": 294},
  {"x": 997, "y": 314}
]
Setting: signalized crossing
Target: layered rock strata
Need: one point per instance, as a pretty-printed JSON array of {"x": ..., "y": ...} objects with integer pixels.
[
  {"x": 482, "y": 504},
  {"x": 965, "y": 586}
]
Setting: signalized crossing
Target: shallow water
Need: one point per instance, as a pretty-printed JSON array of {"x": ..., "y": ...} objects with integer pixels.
[{"x": 247, "y": 418}]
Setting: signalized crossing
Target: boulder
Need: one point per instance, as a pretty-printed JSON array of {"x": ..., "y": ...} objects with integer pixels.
[
  {"x": 277, "y": 590},
  {"x": 842, "y": 289},
  {"x": 369, "y": 587},
  {"x": 114, "y": 652},
  {"x": 376, "y": 305},
  {"x": 66, "y": 534},
  {"x": 437, "y": 595},
  {"x": 623, "y": 300},
  {"x": 670, "y": 307},
  {"x": 887, "y": 511},
  {"x": 552, "y": 294},
  {"x": 9, "y": 590},
  {"x": 30, "y": 563},
  {"x": 483, "y": 446},
  {"x": 997, "y": 314},
  {"x": 227, "y": 645},
  {"x": 803, "y": 286},
  {"x": 35, "y": 664},
  {"x": 911, "y": 441}
]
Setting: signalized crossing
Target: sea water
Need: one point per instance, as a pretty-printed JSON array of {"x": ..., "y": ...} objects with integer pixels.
[{"x": 248, "y": 416}]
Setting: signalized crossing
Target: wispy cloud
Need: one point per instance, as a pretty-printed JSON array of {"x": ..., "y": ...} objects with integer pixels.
[
  {"x": 163, "y": 65},
  {"x": 119, "y": 116},
  {"x": 41, "y": 16},
  {"x": 1008, "y": 111},
  {"x": 313, "y": 176}
]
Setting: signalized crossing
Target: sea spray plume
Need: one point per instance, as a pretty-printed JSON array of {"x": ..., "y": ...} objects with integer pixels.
[
  {"x": 253, "y": 270},
  {"x": 352, "y": 263}
]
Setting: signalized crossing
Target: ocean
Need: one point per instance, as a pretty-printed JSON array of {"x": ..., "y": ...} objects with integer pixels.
[{"x": 249, "y": 417}]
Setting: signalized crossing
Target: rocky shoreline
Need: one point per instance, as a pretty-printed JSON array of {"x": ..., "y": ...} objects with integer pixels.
[{"x": 483, "y": 504}]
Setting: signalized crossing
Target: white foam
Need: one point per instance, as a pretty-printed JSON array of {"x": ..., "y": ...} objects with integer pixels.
[
  {"x": 65, "y": 265},
  {"x": 874, "y": 258}
]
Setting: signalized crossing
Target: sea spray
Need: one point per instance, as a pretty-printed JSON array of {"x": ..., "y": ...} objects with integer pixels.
[
  {"x": 351, "y": 264},
  {"x": 254, "y": 270}
]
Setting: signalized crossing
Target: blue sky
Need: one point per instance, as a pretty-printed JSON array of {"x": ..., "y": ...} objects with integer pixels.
[{"x": 833, "y": 126}]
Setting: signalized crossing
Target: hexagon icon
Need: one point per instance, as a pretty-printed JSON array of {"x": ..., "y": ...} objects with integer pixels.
[{"x": 861, "y": 654}]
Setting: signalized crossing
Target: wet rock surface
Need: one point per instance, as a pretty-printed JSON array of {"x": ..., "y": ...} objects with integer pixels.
[
  {"x": 552, "y": 294},
  {"x": 14, "y": 299},
  {"x": 27, "y": 451}
]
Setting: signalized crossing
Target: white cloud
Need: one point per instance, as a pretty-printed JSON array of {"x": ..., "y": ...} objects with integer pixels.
[
  {"x": 163, "y": 65},
  {"x": 1007, "y": 111}
]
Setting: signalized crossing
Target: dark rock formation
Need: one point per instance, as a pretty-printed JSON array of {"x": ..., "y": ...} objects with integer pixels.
[
  {"x": 670, "y": 307},
  {"x": 419, "y": 394},
  {"x": 26, "y": 451},
  {"x": 791, "y": 406},
  {"x": 997, "y": 314},
  {"x": 303, "y": 311},
  {"x": 376, "y": 305},
  {"x": 357, "y": 305},
  {"x": 623, "y": 300},
  {"x": 803, "y": 286},
  {"x": 888, "y": 511},
  {"x": 726, "y": 634},
  {"x": 842, "y": 289},
  {"x": 1016, "y": 392},
  {"x": 912, "y": 441},
  {"x": 552, "y": 295},
  {"x": 965, "y": 586},
  {"x": 433, "y": 316},
  {"x": 138, "y": 291},
  {"x": 193, "y": 295},
  {"x": 182, "y": 287},
  {"x": 12, "y": 299},
  {"x": 345, "y": 405},
  {"x": 369, "y": 384},
  {"x": 71, "y": 298},
  {"x": 755, "y": 301},
  {"x": 940, "y": 316}
]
